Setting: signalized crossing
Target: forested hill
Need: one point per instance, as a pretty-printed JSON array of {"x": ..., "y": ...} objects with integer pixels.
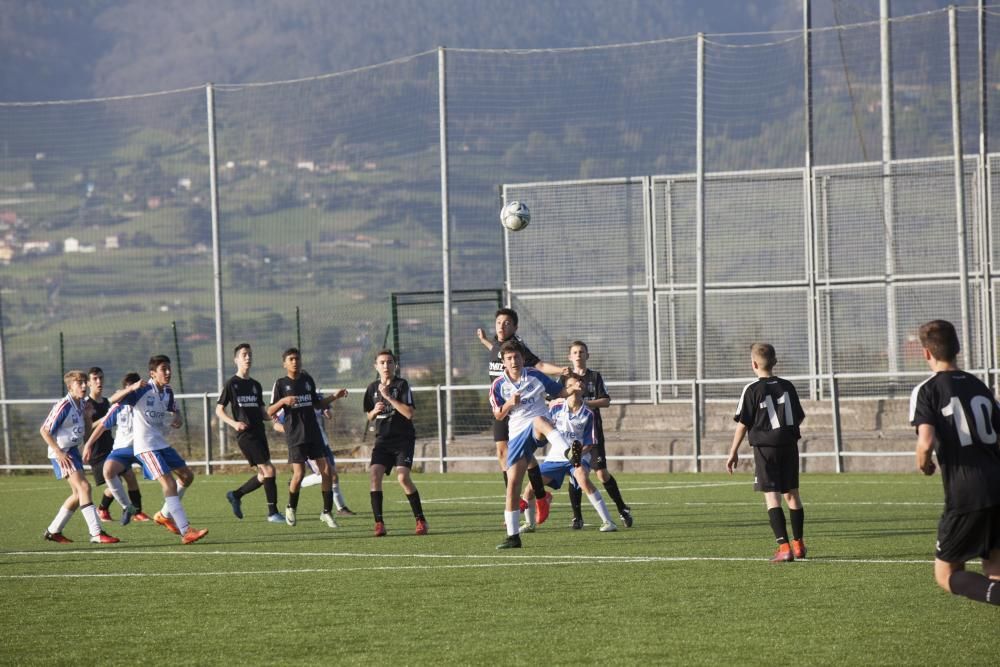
[{"x": 60, "y": 49}]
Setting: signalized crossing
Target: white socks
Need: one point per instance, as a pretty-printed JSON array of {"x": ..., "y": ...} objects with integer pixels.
[
  {"x": 93, "y": 521},
  {"x": 338, "y": 497},
  {"x": 510, "y": 518},
  {"x": 118, "y": 491},
  {"x": 597, "y": 501},
  {"x": 173, "y": 503},
  {"x": 165, "y": 510},
  {"x": 62, "y": 518}
]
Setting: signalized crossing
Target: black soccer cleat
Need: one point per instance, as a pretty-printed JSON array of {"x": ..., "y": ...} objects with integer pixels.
[
  {"x": 626, "y": 515},
  {"x": 512, "y": 542},
  {"x": 577, "y": 524},
  {"x": 236, "y": 504}
]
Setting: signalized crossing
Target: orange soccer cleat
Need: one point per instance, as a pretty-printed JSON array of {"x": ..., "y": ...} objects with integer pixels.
[
  {"x": 421, "y": 527},
  {"x": 380, "y": 530},
  {"x": 783, "y": 554},
  {"x": 798, "y": 548},
  {"x": 542, "y": 506},
  {"x": 166, "y": 522},
  {"x": 192, "y": 535}
]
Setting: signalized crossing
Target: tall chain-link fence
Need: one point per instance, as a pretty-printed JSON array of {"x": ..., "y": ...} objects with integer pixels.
[{"x": 688, "y": 196}]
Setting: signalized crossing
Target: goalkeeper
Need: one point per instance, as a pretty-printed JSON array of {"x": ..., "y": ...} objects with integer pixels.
[{"x": 575, "y": 422}]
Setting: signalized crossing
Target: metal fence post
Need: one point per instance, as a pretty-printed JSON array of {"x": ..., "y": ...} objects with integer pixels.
[
  {"x": 807, "y": 196},
  {"x": 445, "y": 228},
  {"x": 838, "y": 441},
  {"x": 696, "y": 425},
  {"x": 888, "y": 190},
  {"x": 956, "y": 138},
  {"x": 700, "y": 212},
  {"x": 207, "y": 427},
  {"x": 4, "y": 409},
  {"x": 442, "y": 398},
  {"x": 213, "y": 172}
]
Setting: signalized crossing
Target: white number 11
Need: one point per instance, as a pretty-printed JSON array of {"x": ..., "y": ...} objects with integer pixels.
[{"x": 772, "y": 414}]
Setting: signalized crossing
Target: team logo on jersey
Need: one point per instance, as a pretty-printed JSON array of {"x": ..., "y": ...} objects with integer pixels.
[{"x": 150, "y": 401}]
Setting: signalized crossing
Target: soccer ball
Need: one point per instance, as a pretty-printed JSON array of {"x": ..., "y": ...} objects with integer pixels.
[{"x": 515, "y": 216}]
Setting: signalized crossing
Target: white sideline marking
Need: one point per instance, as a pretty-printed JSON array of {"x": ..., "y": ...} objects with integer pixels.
[{"x": 500, "y": 561}]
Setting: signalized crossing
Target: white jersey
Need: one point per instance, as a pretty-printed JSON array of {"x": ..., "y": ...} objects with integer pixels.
[
  {"x": 119, "y": 417},
  {"x": 533, "y": 386},
  {"x": 152, "y": 412},
  {"x": 65, "y": 423},
  {"x": 572, "y": 426}
]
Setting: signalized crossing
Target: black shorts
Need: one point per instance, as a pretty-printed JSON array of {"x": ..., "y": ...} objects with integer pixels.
[
  {"x": 776, "y": 468},
  {"x": 97, "y": 467},
  {"x": 598, "y": 457},
  {"x": 501, "y": 432},
  {"x": 964, "y": 536},
  {"x": 255, "y": 450},
  {"x": 399, "y": 455},
  {"x": 305, "y": 450}
]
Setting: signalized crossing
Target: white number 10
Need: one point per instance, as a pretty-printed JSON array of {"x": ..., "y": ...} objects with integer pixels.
[
  {"x": 982, "y": 413},
  {"x": 772, "y": 414}
]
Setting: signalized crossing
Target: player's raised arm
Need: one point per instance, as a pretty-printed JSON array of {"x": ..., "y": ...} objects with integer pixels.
[{"x": 481, "y": 335}]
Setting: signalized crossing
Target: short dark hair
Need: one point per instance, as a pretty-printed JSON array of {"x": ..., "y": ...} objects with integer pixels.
[
  {"x": 940, "y": 339},
  {"x": 130, "y": 378},
  {"x": 157, "y": 360},
  {"x": 511, "y": 346},
  {"x": 509, "y": 312},
  {"x": 579, "y": 343},
  {"x": 289, "y": 352},
  {"x": 575, "y": 376},
  {"x": 236, "y": 350},
  {"x": 385, "y": 351},
  {"x": 95, "y": 370},
  {"x": 764, "y": 355}
]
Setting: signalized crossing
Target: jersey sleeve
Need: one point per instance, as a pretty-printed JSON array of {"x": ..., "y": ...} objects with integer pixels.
[
  {"x": 276, "y": 393},
  {"x": 111, "y": 419},
  {"x": 496, "y": 397},
  {"x": 368, "y": 401},
  {"x": 552, "y": 387},
  {"x": 130, "y": 399},
  {"x": 600, "y": 389},
  {"x": 921, "y": 409},
  {"x": 406, "y": 394},
  {"x": 226, "y": 395},
  {"x": 745, "y": 408},
  {"x": 530, "y": 358},
  {"x": 589, "y": 428},
  {"x": 56, "y": 416},
  {"x": 171, "y": 403}
]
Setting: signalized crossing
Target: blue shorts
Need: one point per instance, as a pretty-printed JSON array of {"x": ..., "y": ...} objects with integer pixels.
[
  {"x": 556, "y": 472},
  {"x": 160, "y": 462},
  {"x": 75, "y": 463},
  {"x": 521, "y": 446},
  {"x": 124, "y": 456}
]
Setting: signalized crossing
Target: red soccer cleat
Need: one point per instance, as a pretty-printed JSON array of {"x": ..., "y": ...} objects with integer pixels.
[
  {"x": 104, "y": 538},
  {"x": 167, "y": 523},
  {"x": 380, "y": 530},
  {"x": 103, "y": 514},
  {"x": 57, "y": 537},
  {"x": 798, "y": 548},
  {"x": 783, "y": 554},
  {"x": 421, "y": 527},
  {"x": 522, "y": 505},
  {"x": 192, "y": 535},
  {"x": 542, "y": 506},
  {"x": 141, "y": 517}
]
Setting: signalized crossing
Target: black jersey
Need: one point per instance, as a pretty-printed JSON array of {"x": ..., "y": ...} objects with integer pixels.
[
  {"x": 966, "y": 420},
  {"x": 391, "y": 427},
  {"x": 301, "y": 426},
  {"x": 106, "y": 442},
  {"x": 496, "y": 359},
  {"x": 769, "y": 407},
  {"x": 593, "y": 389},
  {"x": 246, "y": 397}
]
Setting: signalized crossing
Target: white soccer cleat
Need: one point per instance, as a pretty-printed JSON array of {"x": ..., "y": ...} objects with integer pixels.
[
  {"x": 527, "y": 527},
  {"x": 290, "y": 516},
  {"x": 328, "y": 519},
  {"x": 608, "y": 527},
  {"x": 312, "y": 480}
]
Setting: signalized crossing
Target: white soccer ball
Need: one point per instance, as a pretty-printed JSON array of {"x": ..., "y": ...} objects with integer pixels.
[{"x": 515, "y": 216}]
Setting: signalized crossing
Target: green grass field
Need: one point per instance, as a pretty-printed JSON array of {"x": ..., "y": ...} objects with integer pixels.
[{"x": 690, "y": 583}]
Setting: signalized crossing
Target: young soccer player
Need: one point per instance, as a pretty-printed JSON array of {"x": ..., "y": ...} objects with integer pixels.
[
  {"x": 577, "y": 424},
  {"x": 596, "y": 396},
  {"x": 314, "y": 478},
  {"x": 389, "y": 404},
  {"x": 769, "y": 409},
  {"x": 119, "y": 462},
  {"x": 505, "y": 324},
  {"x": 298, "y": 396},
  {"x": 958, "y": 418},
  {"x": 63, "y": 431},
  {"x": 153, "y": 410},
  {"x": 245, "y": 397},
  {"x": 519, "y": 394},
  {"x": 94, "y": 410}
]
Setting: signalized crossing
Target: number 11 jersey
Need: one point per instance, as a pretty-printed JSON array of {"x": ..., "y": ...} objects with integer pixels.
[{"x": 966, "y": 420}]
